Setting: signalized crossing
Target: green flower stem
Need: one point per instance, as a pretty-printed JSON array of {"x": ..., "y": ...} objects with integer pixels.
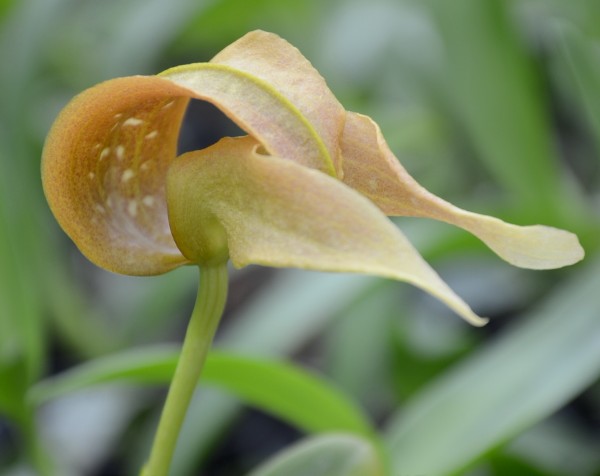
[{"x": 212, "y": 293}]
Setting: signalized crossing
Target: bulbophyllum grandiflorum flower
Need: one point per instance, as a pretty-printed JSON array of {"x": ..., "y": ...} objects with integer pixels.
[{"x": 309, "y": 186}]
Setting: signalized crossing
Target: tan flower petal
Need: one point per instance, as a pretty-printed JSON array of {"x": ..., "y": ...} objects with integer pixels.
[
  {"x": 103, "y": 171},
  {"x": 372, "y": 169},
  {"x": 277, "y": 62},
  {"x": 106, "y": 157},
  {"x": 272, "y": 92},
  {"x": 278, "y": 213}
]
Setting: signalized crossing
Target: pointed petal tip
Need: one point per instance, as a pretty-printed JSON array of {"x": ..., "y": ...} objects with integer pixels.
[{"x": 442, "y": 292}]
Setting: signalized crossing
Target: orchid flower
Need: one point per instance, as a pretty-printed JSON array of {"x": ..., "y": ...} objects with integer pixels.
[{"x": 310, "y": 185}]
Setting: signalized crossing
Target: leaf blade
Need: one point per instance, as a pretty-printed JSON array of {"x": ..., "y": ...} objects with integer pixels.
[
  {"x": 525, "y": 375},
  {"x": 506, "y": 118},
  {"x": 309, "y": 402},
  {"x": 325, "y": 455}
]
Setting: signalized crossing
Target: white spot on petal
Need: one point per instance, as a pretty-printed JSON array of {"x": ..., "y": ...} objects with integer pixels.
[
  {"x": 91, "y": 175},
  {"x": 132, "y": 208},
  {"x": 169, "y": 104},
  {"x": 151, "y": 135},
  {"x": 145, "y": 165},
  {"x": 118, "y": 115},
  {"x": 148, "y": 200},
  {"x": 99, "y": 208},
  {"x": 120, "y": 151},
  {"x": 128, "y": 174},
  {"x": 133, "y": 121},
  {"x": 104, "y": 153}
]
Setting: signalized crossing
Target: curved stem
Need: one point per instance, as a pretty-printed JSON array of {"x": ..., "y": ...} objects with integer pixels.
[{"x": 212, "y": 293}]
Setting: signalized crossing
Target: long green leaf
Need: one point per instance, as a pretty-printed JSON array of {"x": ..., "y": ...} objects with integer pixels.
[
  {"x": 524, "y": 376},
  {"x": 13, "y": 384},
  {"x": 584, "y": 66},
  {"x": 494, "y": 92},
  {"x": 21, "y": 339},
  {"x": 325, "y": 455},
  {"x": 295, "y": 395}
]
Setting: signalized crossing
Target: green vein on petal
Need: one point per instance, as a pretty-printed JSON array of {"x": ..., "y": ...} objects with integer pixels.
[
  {"x": 274, "y": 60},
  {"x": 278, "y": 213},
  {"x": 275, "y": 95}
]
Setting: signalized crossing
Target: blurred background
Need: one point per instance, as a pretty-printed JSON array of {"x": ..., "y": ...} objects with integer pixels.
[{"x": 493, "y": 105}]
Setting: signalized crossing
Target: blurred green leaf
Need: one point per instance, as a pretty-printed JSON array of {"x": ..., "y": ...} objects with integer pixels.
[
  {"x": 21, "y": 333},
  {"x": 24, "y": 39},
  {"x": 560, "y": 445},
  {"x": 526, "y": 374},
  {"x": 311, "y": 403},
  {"x": 515, "y": 467},
  {"x": 224, "y": 21},
  {"x": 5, "y": 6},
  {"x": 325, "y": 455},
  {"x": 495, "y": 93},
  {"x": 127, "y": 37},
  {"x": 290, "y": 311},
  {"x": 583, "y": 61},
  {"x": 358, "y": 369},
  {"x": 143, "y": 366},
  {"x": 13, "y": 384}
]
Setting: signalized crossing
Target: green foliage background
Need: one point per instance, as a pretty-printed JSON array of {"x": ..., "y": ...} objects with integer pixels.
[{"x": 494, "y": 105}]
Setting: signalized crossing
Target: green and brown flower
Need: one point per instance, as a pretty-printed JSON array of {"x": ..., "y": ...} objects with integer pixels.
[{"x": 309, "y": 186}]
